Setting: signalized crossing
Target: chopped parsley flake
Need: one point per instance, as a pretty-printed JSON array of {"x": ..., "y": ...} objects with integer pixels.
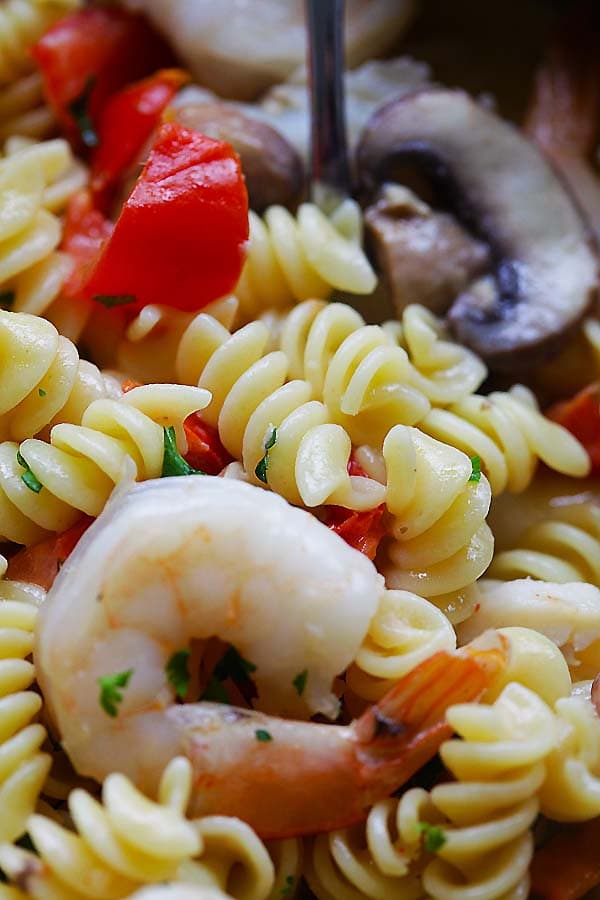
[
  {"x": 28, "y": 478},
  {"x": 7, "y": 299},
  {"x": 216, "y": 692},
  {"x": 475, "y": 468},
  {"x": 289, "y": 886},
  {"x": 79, "y": 109},
  {"x": 434, "y": 836},
  {"x": 173, "y": 461},
  {"x": 111, "y": 694},
  {"x": 263, "y": 736},
  {"x": 263, "y": 466},
  {"x": 109, "y": 301},
  {"x": 299, "y": 682},
  {"x": 233, "y": 666},
  {"x": 178, "y": 673},
  {"x": 41, "y": 392}
]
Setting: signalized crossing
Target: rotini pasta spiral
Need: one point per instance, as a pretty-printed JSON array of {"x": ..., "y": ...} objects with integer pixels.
[
  {"x": 499, "y": 768},
  {"x": 250, "y": 397},
  {"x": 23, "y": 110},
  {"x": 564, "y": 548},
  {"x": 295, "y": 258},
  {"x": 43, "y": 379},
  {"x": 510, "y": 435},
  {"x": 442, "y": 370},
  {"x": 33, "y": 181},
  {"x": 378, "y": 859},
  {"x": 440, "y": 541},
  {"x": 571, "y": 791},
  {"x": 405, "y": 630},
  {"x": 358, "y": 372},
  {"x": 23, "y": 767},
  {"x": 22, "y": 23},
  {"x": 76, "y": 471}
]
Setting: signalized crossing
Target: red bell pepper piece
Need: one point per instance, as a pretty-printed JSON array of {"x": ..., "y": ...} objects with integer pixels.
[
  {"x": 85, "y": 231},
  {"x": 40, "y": 564},
  {"x": 205, "y": 450},
  {"x": 581, "y": 416},
  {"x": 88, "y": 55},
  {"x": 362, "y": 530},
  {"x": 568, "y": 865},
  {"x": 126, "y": 124},
  {"x": 180, "y": 239}
]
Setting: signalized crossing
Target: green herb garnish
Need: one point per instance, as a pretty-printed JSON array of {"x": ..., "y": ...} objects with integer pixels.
[
  {"x": 28, "y": 478},
  {"x": 216, "y": 692},
  {"x": 233, "y": 666},
  {"x": 289, "y": 886},
  {"x": 173, "y": 461},
  {"x": 434, "y": 836},
  {"x": 299, "y": 682},
  {"x": 263, "y": 736},
  {"x": 41, "y": 392},
  {"x": 178, "y": 673},
  {"x": 475, "y": 469},
  {"x": 110, "y": 691},
  {"x": 263, "y": 466},
  {"x": 111, "y": 300},
  {"x": 7, "y": 299},
  {"x": 79, "y": 109}
]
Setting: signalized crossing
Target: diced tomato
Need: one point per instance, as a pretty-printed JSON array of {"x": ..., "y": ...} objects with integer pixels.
[
  {"x": 85, "y": 231},
  {"x": 100, "y": 49},
  {"x": 567, "y": 867},
  {"x": 581, "y": 416},
  {"x": 362, "y": 530},
  {"x": 205, "y": 450},
  {"x": 180, "y": 239},
  {"x": 40, "y": 564},
  {"x": 126, "y": 124}
]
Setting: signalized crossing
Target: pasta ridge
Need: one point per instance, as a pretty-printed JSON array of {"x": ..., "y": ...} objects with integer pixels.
[{"x": 23, "y": 766}]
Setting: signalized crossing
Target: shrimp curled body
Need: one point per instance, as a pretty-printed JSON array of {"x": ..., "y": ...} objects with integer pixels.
[
  {"x": 181, "y": 560},
  {"x": 195, "y": 558}
]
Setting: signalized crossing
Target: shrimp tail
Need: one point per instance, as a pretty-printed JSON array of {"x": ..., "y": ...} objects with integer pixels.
[{"x": 404, "y": 730}]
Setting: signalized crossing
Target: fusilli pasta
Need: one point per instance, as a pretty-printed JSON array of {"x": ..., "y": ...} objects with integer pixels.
[
  {"x": 356, "y": 369},
  {"x": 378, "y": 859},
  {"x": 252, "y": 403},
  {"x": 23, "y": 767},
  {"x": 498, "y": 764},
  {"x": 571, "y": 791},
  {"x": 442, "y": 370},
  {"x": 23, "y": 110},
  {"x": 405, "y": 630},
  {"x": 76, "y": 471},
  {"x": 293, "y": 258},
  {"x": 563, "y": 548},
  {"x": 510, "y": 435},
  {"x": 440, "y": 543},
  {"x": 43, "y": 379}
]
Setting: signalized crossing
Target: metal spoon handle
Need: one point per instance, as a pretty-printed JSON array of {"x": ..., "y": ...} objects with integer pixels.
[{"x": 330, "y": 170}]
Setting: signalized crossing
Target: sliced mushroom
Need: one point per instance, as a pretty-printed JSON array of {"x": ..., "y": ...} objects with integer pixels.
[
  {"x": 544, "y": 273},
  {"x": 424, "y": 256},
  {"x": 274, "y": 172}
]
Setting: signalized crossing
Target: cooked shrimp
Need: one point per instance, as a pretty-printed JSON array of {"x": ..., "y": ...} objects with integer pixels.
[{"x": 198, "y": 557}]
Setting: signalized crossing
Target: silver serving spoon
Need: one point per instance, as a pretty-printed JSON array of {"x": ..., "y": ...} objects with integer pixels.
[{"x": 329, "y": 166}]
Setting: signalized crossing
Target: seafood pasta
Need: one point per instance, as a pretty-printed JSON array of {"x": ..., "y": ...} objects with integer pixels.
[{"x": 299, "y": 507}]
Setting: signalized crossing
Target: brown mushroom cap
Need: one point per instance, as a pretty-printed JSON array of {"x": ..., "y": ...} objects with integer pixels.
[
  {"x": 274, "y": 172},
  {"x": 544, "y": 273}
]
